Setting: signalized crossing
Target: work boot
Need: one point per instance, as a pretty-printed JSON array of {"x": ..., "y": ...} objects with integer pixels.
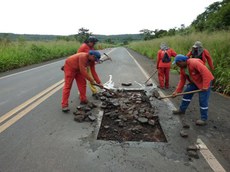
[
  {"x": 95, "y": 95},
  {"x": 178, "y": 112},
  {"x": 160, "y": 87},
  {"x": 84, "y": 102},
  {"x": 201, "y": 122},
  {"x": 65, "y": 109}
]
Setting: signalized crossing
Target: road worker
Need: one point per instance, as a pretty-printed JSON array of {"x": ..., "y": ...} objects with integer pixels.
[
  {"x": 75, "y": 68},
  {"x": 199, "y": 52},
  {"x": 86, "y": 47},
  {"x": 163, "y": 64},
  {"x": 199, "y": 77}
]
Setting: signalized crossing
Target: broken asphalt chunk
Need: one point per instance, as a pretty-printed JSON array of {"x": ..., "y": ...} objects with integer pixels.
[
  {"x": 183, "y": 133},
  {"x": 126, "y": 84}
]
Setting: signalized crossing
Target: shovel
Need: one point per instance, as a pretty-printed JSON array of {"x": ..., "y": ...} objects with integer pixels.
[
  {"x": 179, "y": 94},
  {"x": 110, "y": 91},
  {"x": 151, "y": 76}
]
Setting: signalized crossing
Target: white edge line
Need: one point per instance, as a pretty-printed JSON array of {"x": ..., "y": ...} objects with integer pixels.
[
  {"x": 209, "y": 157},
  {"x": 169, "y": 103},
  {"x": 7, "y": 76}
]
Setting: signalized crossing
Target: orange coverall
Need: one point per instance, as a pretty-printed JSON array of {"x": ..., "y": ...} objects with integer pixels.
[
  {"x": 75, "y": 68},
  {"x": 84, "y": 48},
  {"x": 199, "y": 75},
  {"x": 205, "y": 57},
  {"x": 164, "y": 68}
]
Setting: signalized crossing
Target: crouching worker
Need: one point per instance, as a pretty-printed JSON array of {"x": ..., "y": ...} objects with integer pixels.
[
  {"x": 199, "y": 77},
  {"x": 76, "y": 68}
]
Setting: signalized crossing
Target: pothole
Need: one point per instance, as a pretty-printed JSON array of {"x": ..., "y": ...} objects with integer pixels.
[{"x": 129, "y": 116}]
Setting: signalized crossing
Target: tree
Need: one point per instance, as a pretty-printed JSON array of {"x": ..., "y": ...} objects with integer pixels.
[
  {"x": 82, "y": 35},
  {"x": 215, "y": 17},
  {"x": 160, "y": 33},
  {"x": 147, "y": 34}
]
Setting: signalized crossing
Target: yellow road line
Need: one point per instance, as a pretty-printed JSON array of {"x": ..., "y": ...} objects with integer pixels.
[
  {"x": 28, "y": 109},
  {"x": 39, "y": 98},
  {"x": 18, "y": 108}
]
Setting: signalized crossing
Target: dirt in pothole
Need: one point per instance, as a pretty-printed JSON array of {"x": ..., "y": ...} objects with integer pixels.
[{"x": 129, "y": 116}]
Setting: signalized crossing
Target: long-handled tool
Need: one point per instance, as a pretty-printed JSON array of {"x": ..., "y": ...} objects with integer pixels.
[
  {"x": 151, "y": 76},
  {"x": 108, "y": 58},
  {"x": 112, "y": 92},
  {"x": 179, "y": 94}
]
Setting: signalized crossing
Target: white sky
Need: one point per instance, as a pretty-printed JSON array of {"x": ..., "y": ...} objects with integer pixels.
[{"x": 105, "y": 17}]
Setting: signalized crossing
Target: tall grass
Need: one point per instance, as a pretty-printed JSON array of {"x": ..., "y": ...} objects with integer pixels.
[
  {"x": 217, "y": 43},
  {"x": 18, "y": 54}
]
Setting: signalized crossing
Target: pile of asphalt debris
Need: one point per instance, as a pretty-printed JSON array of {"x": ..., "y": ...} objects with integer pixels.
[{"x": 127, "y": 116}]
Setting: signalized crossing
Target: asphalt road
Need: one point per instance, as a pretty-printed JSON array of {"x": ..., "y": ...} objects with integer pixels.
[{"x": 36, "y": 136}]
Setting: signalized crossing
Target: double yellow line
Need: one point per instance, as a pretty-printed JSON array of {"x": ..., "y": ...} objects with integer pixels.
[{"x": 6, "y": 120}]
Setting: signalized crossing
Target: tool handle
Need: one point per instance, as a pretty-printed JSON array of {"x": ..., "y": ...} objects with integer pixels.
[
  {"x": 180, "y": 94},
  {"x": 150, "y": 76},
  {"x": 108, "y": 58},
  {"x": 106, "y": 55}
]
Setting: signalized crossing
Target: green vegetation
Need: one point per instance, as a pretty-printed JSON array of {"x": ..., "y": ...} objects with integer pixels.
[
  {"x": 217, "y": 43},
  {"x": 22, "y": 53}
]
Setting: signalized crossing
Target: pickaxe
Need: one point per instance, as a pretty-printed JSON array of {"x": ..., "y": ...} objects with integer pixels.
[{"x": 108, "y": 58}]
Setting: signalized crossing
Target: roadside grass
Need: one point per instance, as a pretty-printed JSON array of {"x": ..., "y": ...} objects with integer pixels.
[
  {"x": 18, "y": 54},
  {"x": 217, "y": 43},
  {"x": 23, "y": 53}
]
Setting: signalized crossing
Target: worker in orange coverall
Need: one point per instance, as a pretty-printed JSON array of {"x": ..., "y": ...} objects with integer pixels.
[
  {"x": 199, "y": 52},
  {"x": 75, "y": 68},
  {"x": 199, "y": 77},
  {"x": 164, "y": 64},
  {"x": 86, "y": 47}
]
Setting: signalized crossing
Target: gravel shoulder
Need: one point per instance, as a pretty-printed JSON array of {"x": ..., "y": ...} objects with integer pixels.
[{"x": 216, "y": 134}]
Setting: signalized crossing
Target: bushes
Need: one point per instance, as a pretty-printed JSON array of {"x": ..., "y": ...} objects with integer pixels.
[{"x": 14, "y": 55}]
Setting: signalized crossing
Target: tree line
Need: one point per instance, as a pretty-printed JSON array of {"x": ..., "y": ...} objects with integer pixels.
[{"x": 216, "y": 17}]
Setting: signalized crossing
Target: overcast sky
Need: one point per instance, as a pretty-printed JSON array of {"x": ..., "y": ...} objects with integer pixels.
[{"x": 105, "y": 17}]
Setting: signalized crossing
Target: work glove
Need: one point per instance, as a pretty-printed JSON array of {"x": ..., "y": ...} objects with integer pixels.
[
  {"x": 101, "y": 85},
  {"x": 174, "y": 94}
]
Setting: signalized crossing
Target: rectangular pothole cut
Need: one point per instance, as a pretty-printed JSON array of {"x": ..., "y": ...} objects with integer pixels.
[{"x": 130, "y": 117}]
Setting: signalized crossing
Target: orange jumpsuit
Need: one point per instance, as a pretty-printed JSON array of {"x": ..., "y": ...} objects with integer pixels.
[
  {"x": 205, "y": 57},
  {"x": 84, "y": 48},
  {"x": 164, "y": 68},
  {"x": 198, "y": 74},
  {"x": 199, "y": 77},
  {"x": 75, "y": 68}
]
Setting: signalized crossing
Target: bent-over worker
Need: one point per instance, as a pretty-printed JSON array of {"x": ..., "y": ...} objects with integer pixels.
[
  {"x": 75, "y": 68},
  {"x": 199, "y": 77}
]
